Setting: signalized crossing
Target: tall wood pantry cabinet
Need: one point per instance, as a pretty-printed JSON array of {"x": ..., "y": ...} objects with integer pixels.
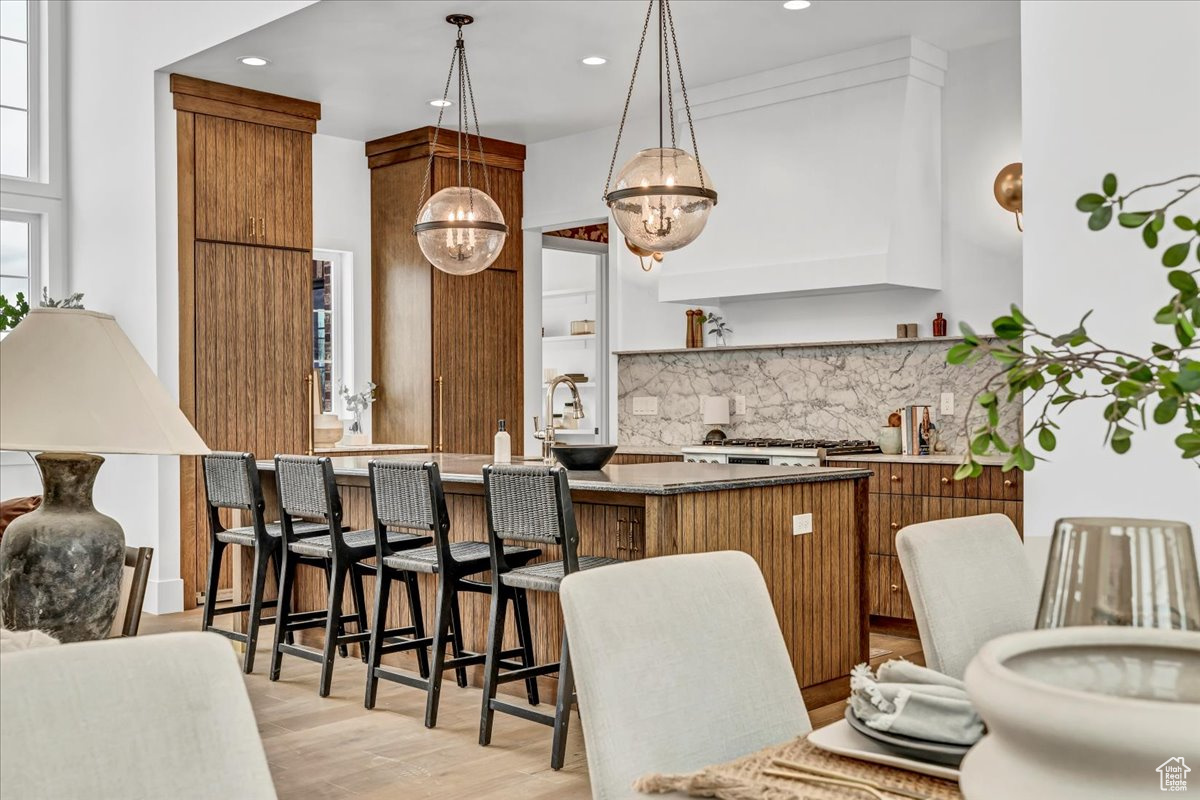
[
  {"x": 245, "y": 283},
  {"x": 447, "y": 349}
]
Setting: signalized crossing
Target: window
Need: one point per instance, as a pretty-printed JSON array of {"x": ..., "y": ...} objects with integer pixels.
[
  {"x": 332, "y": 326},
  {"x": 20, "y": 89},
  {"x": 20, "y": 259}
]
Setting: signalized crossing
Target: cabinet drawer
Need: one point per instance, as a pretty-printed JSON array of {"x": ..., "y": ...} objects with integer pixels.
[
  {"x": 885, "y": 586},
  {"x": 937, "y": 480},
  {"x": 888, "y": 514}
]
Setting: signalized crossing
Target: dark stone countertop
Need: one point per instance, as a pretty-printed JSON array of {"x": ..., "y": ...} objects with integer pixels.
[{"x": 671, "y": 477}]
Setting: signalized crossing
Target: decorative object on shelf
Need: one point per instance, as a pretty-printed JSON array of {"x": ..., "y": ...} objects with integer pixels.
[
  {"x": 698, "y": 319},
  {"x": 901, "y": 330},
  {"x": 582, "y": 327},
  {"x": 12, "y": 313},
  {"x": 460, "y": 229},
  {"x": 327, "y": 430},
  {"x": 911, "y": 331},
  {"x": 690, "y": 339},
  {"x": 1077, "y": 713},
  {"x": 939, "y": 325},
  {"x": 890, "y": 441},
  {"x": 1066, "y": 368},
  {"x": 1138, "y": 572},
  {"x": 1007, "y": 189},
  {"x": 716, "y": 412},
  {"x": 937, "y": 443},
  {"x": 643, "y": 254},
  {"x": 663, "y": 196},
  {"x": 356, "y": 404},
  {"x": 719, "y": 329},
  {"x": 71, "y": 384}
]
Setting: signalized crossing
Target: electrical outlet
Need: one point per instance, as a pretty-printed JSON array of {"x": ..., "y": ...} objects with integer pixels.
[
  {"x": 739, "y": 404},
  {"x": 947, "y": 404},
  {"x": 801, "y": 524},
  {"x": 645, "y": 406}
]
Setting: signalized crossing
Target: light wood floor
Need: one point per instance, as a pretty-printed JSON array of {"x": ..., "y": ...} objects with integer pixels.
[{"x": 334, "y": 748}]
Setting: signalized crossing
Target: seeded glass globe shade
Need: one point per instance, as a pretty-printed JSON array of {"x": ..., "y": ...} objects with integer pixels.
[
  {"x": 659, "y": 201},
  {"x": 460, "y": 230}
]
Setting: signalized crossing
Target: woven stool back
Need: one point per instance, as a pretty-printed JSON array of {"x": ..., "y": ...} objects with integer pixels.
[
  {"x": 231, "y": 481},
  {"x": 530, "y": 504}
]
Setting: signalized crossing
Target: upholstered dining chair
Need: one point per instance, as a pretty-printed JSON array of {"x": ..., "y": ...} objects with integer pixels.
[
  {"x": 679, "y": 664},
  {"x": 970, "y": 581}
]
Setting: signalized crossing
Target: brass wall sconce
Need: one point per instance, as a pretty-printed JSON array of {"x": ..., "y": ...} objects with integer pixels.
[
  {"x": 643, "y": 254},
  {"x": 1007, "y": 189}
]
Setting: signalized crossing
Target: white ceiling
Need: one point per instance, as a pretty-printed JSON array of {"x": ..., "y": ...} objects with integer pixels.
[{"x": 375, "y": 65}]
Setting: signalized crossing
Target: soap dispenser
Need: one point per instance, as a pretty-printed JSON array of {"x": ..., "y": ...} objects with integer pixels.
[{"x": 502, "y": 446}]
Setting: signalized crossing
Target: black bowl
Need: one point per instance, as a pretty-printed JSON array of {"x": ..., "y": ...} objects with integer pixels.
[{"x": 584, "y": 456}]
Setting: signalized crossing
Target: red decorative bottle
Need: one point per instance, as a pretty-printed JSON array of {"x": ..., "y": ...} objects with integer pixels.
[{"x": 939, "y": 325}]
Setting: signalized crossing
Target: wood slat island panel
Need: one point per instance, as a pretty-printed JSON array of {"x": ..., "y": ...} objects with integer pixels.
[{"x": 816, "y": 581}]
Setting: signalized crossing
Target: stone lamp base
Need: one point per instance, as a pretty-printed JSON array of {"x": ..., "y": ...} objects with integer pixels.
[{"x": 60, "y": 565}]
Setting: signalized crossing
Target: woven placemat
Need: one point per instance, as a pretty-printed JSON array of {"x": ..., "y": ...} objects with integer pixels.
[{"x": 743, "y": 779}]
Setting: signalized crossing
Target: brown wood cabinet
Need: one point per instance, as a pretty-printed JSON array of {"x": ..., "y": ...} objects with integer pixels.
[
  {"x": 447, "y": 355},
  {"x": 903, "y": 493},
  {"x": 245, "y": 283}
]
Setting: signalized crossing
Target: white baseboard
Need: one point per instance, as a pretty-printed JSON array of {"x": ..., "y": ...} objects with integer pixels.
[{"x": 164, "y": 597}]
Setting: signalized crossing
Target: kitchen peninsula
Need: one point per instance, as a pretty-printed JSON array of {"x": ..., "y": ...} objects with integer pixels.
[{"x": 816, "y": 580}]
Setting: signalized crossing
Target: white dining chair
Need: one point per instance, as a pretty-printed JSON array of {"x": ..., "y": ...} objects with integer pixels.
[
  {"x": 679, "y": 664},
  {"x": 969, "y": 581}
]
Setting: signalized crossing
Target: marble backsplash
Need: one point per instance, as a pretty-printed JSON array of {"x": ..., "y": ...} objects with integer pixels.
[{"x": 836, "y": 391}]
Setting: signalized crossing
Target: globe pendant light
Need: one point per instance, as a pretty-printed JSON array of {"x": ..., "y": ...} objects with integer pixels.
[
  {"x": 460, "y": 229},
  {"x": 663, "y": 196}
]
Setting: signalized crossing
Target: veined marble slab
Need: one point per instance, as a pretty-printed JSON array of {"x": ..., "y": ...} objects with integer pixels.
[{"x": 838, "y": 391}]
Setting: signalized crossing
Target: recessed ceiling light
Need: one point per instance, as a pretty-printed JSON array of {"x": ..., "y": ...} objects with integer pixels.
[
  {"x": 797, "y": 5},
  {"x": 441, "y": 103},
  {"x": 595, "y": 61},
  {"x": 254, "y": 61}
]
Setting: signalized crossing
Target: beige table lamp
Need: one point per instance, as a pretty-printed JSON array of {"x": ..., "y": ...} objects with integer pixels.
[
  {"x": 716, "y": 412},
  {"x": 71, "y": 385}
]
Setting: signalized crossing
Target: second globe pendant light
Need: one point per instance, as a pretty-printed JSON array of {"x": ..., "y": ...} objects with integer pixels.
[
  {"x": 460, "y": 229},
  {"x": 662, "y": 196}
]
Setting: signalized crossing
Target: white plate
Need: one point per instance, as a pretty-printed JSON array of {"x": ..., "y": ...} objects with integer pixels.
[{"x": 843, "y": 740}]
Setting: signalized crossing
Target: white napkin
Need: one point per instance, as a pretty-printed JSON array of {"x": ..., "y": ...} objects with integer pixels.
[{"x": 911, "y": 700}]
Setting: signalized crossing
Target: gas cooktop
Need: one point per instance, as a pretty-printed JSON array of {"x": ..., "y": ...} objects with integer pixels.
[{"x": 830, "y": 446}]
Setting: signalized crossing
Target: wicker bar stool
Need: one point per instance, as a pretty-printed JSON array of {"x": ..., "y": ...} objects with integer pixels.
[
  {"x": 410, "y": 495},
  {"x": 306, "y": 489},
  {"x": 231, "y": 481},
  {"x": 531, "y": 504}
]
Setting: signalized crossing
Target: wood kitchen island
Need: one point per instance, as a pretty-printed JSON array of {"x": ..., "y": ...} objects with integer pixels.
[{"x": 817, "y": 580}]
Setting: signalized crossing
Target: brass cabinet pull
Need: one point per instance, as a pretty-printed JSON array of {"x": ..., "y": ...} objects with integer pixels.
[
  {"x": 308, "y": 391},
  {"x": 251, "y": 227},
  {"x": 895, "y": 525},
  {"x": 895, "y": 588},
  {"x": 633, "y": 545},
  {"x": 1007, "y": 482},
  {"x": 262, "y": 227},
  {"x": 896, "y": 478},
  {"x": 441, "y": 383},
  {"x": 945, "y": 481}
]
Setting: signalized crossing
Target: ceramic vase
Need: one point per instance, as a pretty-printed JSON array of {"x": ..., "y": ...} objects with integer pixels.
[
  {"x": 61, "y": 564},
  {"x": 889, "y": 441}
]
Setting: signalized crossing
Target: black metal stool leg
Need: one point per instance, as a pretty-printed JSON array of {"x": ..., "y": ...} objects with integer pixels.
[
  {"x": 441, "y": 630},
  {"x": 491, "y": 668},
  {"x": 418, "y": 620},
  {"x": 254, "y": 618},
  {"x": 521, "y": 613},
  {"x": 287, "y": 574},
  {"x": 562, "y": 709},
  {"x": 277, "y": 555},
  {"x": 214, "y": 579},
  {"x": 456, "y": 637},
  {"x": 333, "y": 626},
  {"x": 360, "y": 606},
  {"x": 383, "y": 585}
]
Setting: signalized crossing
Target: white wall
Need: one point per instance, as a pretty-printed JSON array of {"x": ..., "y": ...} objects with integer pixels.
[
  {"x": 121, "y": 203},
  {"x": 1107, "y": 87},
  {"x": 342, "y": 221},
  {"x": 981, "y": 248}
]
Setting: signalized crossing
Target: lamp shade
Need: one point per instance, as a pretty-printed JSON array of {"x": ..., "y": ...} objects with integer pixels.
[
  {"x": 71, "y": 381},
  {"x": 716, "y": 411}
]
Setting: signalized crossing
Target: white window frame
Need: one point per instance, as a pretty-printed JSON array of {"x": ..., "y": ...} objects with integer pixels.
[
  {"x": 36, "y": 277},
  {"x": 43, "y": 193},
  {"x": 341, "y": 274}
]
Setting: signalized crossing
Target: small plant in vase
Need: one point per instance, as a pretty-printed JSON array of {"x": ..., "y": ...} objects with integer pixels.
[
  {"x": 719, "y": 329},
  {"x": 356, "y": 404}
]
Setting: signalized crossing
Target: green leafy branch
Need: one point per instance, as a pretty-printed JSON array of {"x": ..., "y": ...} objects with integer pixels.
[
  {"x": 1054, "y": 369},
  {"x": 12, "y": 313}
]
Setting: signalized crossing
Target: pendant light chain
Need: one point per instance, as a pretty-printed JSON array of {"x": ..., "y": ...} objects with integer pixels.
[
  {"x": 458, "y": 58},
  {"x": 666, "y": 56},
  {"x": 425, "y": 185},
  {"x": 628, "y": 96},
  {"x": 687, "y": 107}
]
